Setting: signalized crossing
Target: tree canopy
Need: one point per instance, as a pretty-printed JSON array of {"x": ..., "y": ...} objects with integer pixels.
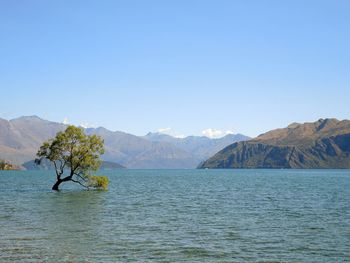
[{"x": 74, "y": 155}]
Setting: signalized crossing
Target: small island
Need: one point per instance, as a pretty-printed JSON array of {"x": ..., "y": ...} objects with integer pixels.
[{"x": 4, "y": 165}]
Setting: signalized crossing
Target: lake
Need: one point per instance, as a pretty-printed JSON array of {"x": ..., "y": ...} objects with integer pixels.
[{"x": 178, "y": 216}]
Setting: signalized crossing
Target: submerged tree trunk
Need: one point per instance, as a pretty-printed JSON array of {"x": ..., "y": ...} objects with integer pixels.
[
  {"x": 59, "y": 181},
  {"x": 55, "y": 186}
]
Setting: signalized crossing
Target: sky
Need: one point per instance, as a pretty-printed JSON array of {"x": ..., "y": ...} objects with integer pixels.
[{"x": 184, "y": 67}]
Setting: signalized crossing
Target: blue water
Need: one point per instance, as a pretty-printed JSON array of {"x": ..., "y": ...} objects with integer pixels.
[{"x": 178, "y": 216}]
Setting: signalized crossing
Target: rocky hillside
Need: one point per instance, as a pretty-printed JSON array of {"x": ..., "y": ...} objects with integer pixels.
[
  {"x": 21, "y": 137},
  {"x": 321, "y": 144}
]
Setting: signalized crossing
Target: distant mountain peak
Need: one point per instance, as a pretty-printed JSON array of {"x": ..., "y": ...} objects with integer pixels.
[
  {"x": 293, "y": 125},
  {"x": 28, "y": 118},
  {"x": 200, "y": 146},
  {"x": 100, "y": 128}
]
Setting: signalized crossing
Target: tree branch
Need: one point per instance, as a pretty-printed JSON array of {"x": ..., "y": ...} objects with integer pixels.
[
  {"x": 63, "y": 164},
  {"x": 67, "y": 178},
  {"x": 84, "y": 179},
  {"x": 75, "y": 181},
  {"x": 58, "y": 174}
]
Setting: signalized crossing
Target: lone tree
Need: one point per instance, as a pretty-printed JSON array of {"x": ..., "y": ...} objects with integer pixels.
[{"x": 74, "y": 155}]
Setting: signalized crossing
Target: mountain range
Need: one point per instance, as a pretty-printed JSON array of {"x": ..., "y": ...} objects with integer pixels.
[
  {"x": 20, "y": 139},
  {"x": 47, "y": 165},
  {"x": 321, "y": 144},
  {"x": 200, "y": 146}
]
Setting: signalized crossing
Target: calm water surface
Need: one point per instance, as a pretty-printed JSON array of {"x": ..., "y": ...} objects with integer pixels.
[{"x": 178, "y": 216}]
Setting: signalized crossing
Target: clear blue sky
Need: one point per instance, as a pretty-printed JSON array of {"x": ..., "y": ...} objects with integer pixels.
[{"x": 137, "y": 66}]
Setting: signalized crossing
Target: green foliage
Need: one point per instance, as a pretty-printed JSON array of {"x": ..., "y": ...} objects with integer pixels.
[
  {"x": 2, "y": 165},
  {"x": 100, "y": 182},
  {"x": 74, "y": 151}
]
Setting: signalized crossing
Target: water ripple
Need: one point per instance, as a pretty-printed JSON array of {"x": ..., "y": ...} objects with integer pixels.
[{"x": 178, "y": 216}]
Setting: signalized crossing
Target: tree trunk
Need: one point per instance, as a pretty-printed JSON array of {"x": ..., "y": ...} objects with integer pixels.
[{"x": 55, "y": 186}]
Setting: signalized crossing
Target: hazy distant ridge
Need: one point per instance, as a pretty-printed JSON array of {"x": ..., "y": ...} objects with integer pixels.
[
  {"x": 200, "y": 146},
  {"x": 20, "y": 139}
]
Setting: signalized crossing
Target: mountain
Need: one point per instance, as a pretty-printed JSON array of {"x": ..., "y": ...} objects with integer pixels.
[
  {"x": 200, "y": 146},
  {"x": 321, "y": 144},
  {"x": 105, "y": 165},
  {"x": 47, "y": 165},
  {"x": 20, "y": 139},
  {"x": 137, "y": 152}
]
